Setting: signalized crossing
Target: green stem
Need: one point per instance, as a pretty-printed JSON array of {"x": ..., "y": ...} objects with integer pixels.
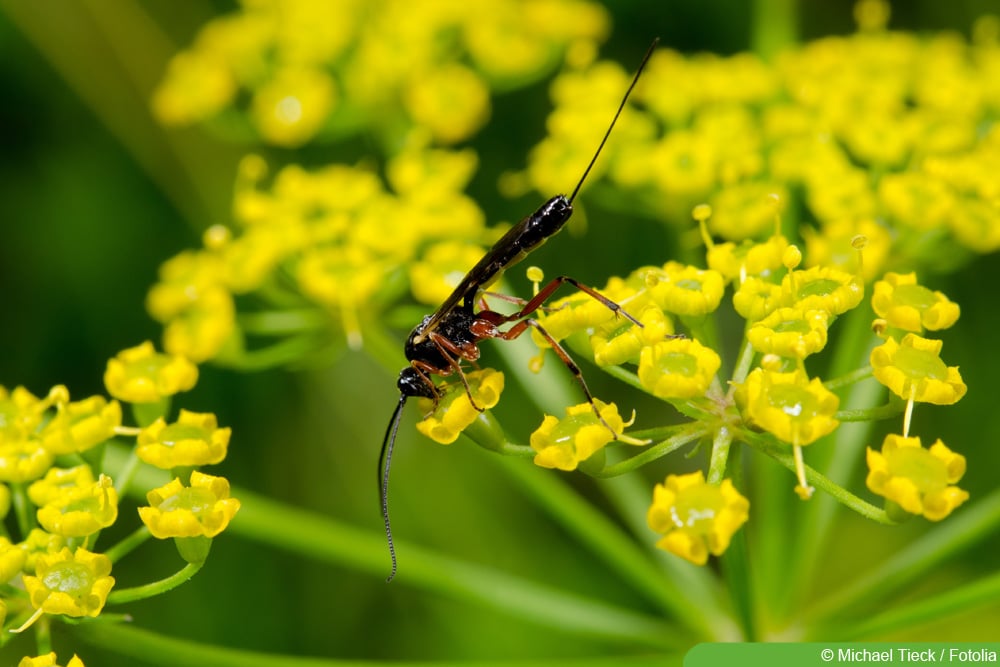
[
  {"x": 720, "y": 455},
  {"x": 783, "y": 455},
  {"x": 128, "y": 544},
  {"x": 685, "y": 434},
  {"x": 846, "y": 379},
  {"x": 124, "y": 475},
  {"x": 22, "y": 508},
  {"x": 887, "y": 411},
  {"x": 743, "y": 365},
  {"x": 156, "y": 588}
]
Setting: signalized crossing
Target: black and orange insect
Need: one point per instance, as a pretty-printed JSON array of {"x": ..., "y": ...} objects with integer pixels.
[{"x": 451, "y": 335}]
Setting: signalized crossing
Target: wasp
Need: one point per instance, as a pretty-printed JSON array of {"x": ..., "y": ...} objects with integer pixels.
[{"x": 451, "y": 335}]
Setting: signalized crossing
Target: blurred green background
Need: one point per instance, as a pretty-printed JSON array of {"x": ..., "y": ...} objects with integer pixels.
[{"x": 94, "y": 195}]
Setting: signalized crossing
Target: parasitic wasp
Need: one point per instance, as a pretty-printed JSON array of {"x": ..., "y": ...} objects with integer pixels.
[{"x": 451, "y": 335}]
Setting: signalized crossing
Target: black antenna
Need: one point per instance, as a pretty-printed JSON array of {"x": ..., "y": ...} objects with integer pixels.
[
  {"x": 384, "y": 461},
  {"x": 614, "y": 120}
]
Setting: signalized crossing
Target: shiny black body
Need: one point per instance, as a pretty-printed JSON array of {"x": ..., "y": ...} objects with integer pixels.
[{"x": 512, "y": 247}]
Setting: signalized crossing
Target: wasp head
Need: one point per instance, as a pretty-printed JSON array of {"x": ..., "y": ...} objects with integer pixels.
[{"x": 412, "y": 382}]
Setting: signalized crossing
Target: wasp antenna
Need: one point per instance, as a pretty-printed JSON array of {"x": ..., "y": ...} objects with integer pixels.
[
  {"x": 384, "y": 461},
  {"x": 614, "y": 120}
]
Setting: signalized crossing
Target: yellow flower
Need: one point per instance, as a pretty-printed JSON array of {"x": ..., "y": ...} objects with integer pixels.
[
  {"x": 564, "y": 443},
  {"x": 200, "y": 331},
  {"x": 290, "y": 109},
  {"x": 432, "y": 174},
  {"x": 441, "y": 269},
  {"x": 914, "y": 370},
  {"x": 616, "y": 342},
  {"x": 12, "y": 558},
  {"x": 823, "y": 288},
  {"x": 916, "y": 200},
  {"x": 80, "y": 425},
  {"x": 23, "y": 460},
  {"x": 454, "y": 412},
  {"x": 250, "y": 259},
  {"x": 918, "y": 480},
  {"x": 906, "y": 305},
  {"x": 71, "y": 583},
  {"x": 20, "y": 413},
  {"x": 975, "y": 224},
  {"x": 203, "y": 509},
  {"x": 582, "y": 312},
  {"x": 678, "y": 369},
  {"x": 841, "y": 193},
  {"x": 745, "y": 210},
  {"x": 195, "y": 439},
  {"x": 336, "y": 276},
  {"x": 737, "y": 262},
  {"x": 757, "y": 297},
  {"x": 39, "y": 543},
  {"x": 182, "y": 280},
  {"x": 58, "y": 481},
  {"x": 78, "y": 512},
  {"x": 449, "y": 100},
  {"x": 141, "y": 375},
  {"x": 696, "y": 518},
  {"x": 790, "y": 332},
  {"x": 684, "y": 165},
  {"x": 794, "y": 408},
  {"x": 685, "y": 290},
  {"x": 49, "y": 660}
]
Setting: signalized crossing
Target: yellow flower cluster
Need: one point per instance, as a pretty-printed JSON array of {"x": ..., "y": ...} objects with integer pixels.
[
  {"x": 886, "y": 134},
  {"x": 52, "y": 475},
  {"x": 320, "y": 250},
  {"x": 301, "y": 69}
]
